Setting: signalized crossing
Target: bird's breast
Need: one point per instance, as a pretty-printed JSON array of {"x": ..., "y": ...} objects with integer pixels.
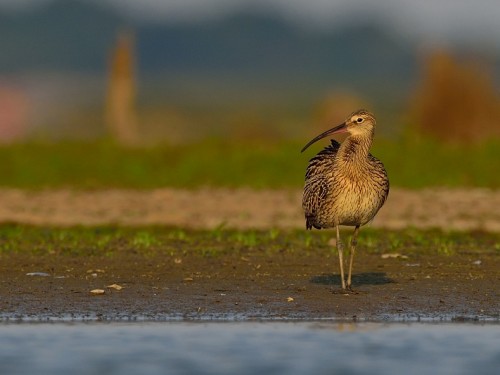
[{"x": 355, "y": 201}]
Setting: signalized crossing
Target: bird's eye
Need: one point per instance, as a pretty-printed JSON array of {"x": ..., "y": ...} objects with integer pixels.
[{"x": 359, "y": 120}]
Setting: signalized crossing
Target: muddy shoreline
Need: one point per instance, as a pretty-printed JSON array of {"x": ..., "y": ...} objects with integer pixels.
[{"x": 255, "y": 284}]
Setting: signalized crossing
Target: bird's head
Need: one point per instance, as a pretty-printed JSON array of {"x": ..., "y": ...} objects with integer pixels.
[{"x": 360, "y": 122}]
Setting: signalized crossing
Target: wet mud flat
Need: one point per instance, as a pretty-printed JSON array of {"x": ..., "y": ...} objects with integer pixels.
[
  {"x": 168, "y": 278},
  {"x": 249, "y": 286}
]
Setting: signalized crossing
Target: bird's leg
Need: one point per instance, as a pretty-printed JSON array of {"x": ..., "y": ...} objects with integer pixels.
[
  {"x": 341, "y": 257},
  {"x": 354, "y": 241}
]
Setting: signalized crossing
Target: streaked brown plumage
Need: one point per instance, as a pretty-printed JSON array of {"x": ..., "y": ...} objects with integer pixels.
[{"x": 345, "y": 184}]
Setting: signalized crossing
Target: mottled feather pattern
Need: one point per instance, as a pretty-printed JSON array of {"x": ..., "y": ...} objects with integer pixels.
[
  {"x": 317, "y": 183},
  {"x": 341, "y": 188}
]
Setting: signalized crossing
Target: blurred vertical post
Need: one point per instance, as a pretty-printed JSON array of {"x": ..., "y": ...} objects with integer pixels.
[{"x": 121, "y": 117}]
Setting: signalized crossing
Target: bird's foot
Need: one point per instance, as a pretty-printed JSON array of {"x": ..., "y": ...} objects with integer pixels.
[{"x": 346, "y": 291}]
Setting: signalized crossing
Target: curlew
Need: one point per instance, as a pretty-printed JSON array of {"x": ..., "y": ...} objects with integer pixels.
[{"x": 345, "y": 184}]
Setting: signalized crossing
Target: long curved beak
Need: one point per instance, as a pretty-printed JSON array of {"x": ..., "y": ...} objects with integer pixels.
[{"x": 338, "y": 129}]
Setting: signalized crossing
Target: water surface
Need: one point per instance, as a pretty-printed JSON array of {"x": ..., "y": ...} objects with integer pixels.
[{"x": 249, "y": 348}]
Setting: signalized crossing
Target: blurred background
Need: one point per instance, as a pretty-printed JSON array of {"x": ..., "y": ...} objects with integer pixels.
[{"x": 98, "y": 93}]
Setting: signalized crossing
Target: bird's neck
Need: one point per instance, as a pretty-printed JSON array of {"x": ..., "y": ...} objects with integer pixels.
[{"x": 355, "y": 148}]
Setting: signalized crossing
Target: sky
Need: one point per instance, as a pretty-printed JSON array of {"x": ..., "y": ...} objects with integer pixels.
[{"x": 440, "y": 19}]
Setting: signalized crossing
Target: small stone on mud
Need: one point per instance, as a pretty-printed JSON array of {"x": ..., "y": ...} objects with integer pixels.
[
  {"x": 177, "y": 260},
  {"x": 115, "y": 286},
  {"x": 188, "y": 279},
  {"x": 98, "y": 270},
  {"x": 393, "y": 255},
  {"x": 289, "y": 299},
  {"x": 43, "y": 274},
  {"x": 97, "y": 292},
  {"x": 477, "y": 263}
]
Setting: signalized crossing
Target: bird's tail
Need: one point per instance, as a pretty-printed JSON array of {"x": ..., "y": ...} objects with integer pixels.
[{"x": 310, "y": 222}]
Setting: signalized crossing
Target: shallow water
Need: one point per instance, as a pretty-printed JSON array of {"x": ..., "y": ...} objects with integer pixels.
[{"x": 249, "y": 348}]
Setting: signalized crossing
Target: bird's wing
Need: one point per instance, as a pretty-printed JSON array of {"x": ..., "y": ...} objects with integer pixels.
[
  {"x": 317, "y": 183},
  {"x": 323, "y": 159},
  {"x": 380, "y": 175},
  {"x": 315, "y": 191}
]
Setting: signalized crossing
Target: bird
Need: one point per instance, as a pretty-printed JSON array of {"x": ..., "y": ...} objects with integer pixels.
[{"x": 345, "y": 184}]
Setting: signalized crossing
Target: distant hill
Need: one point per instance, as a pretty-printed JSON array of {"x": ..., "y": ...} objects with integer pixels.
[
  {"x": 63, "y": 35},
  {"x": 69, "y": 35},
  {"x": 238, "y": 63},
  {"x": 251, "y": 70},
  {"x": 255, "y": 45}
]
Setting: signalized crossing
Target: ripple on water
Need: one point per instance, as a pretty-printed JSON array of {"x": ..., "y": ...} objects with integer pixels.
[{"x": 249, "y": 348}]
